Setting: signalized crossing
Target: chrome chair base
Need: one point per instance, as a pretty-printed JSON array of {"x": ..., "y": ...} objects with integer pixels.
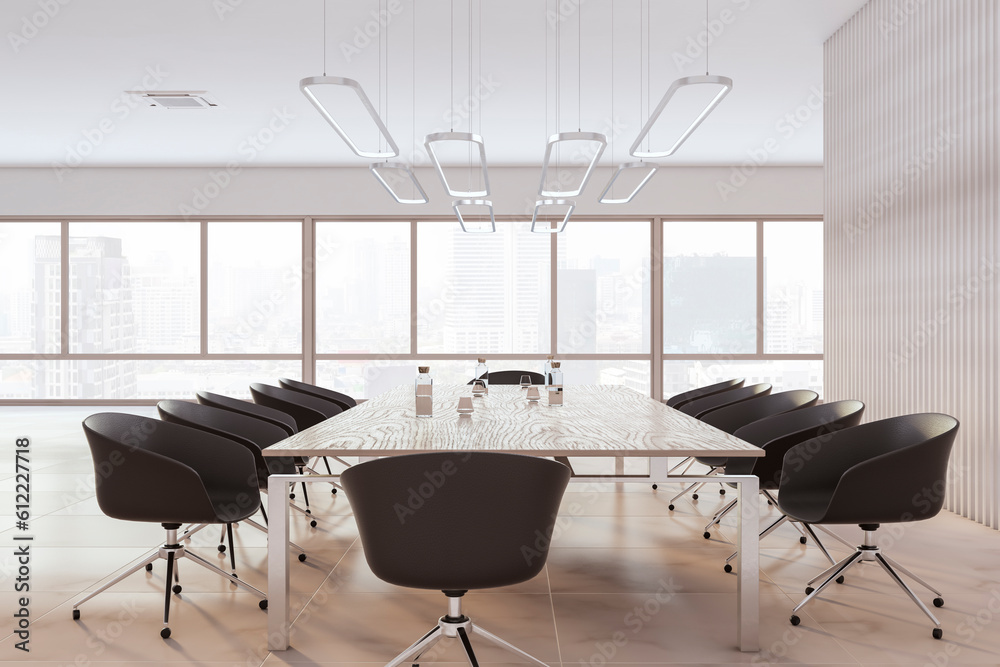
[
  {"x": 171, "y": 551},
  {"x": 868, "y": 551},
  {"x": 457, "y": 625}
]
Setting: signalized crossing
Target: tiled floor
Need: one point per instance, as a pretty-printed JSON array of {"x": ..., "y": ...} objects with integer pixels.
[{"x": 628, "y": 583}]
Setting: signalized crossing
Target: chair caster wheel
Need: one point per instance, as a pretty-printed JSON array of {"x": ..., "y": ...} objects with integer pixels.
[
  {"x": 706, "y": 535},
  {"x": 728, "y": 568},
  {"x": 670, "y": 507},
  {"x": 165, "y": 633},
  {"x": 235, "y": 576},
  {"x": 262, "y": 604},
  {"x": 292, "y": 496},
  {"x": 722, "y": 492},
  {"x": 76, "y": 614},
  {"x": 654, "y": 487},
  {"x": 302, "y": 558},
  {"x": 769, "y": 502},
  {"x": 333, "y": 491},
  {"x": 308, "y": 511},
  {"x": 795, "y": 620},
  {"x": 809, "y": 589},
  {"x": 938, "y": 633},
  {"x": 938, "y": 602},
  {"x": 222, "y": 548},
  {"x": 313, "y": 523},
  {"x": 840, "y": 579},
  {"x": 802, "y": 539},
  {"x": 695, "y": 496},
  {"x": 176, "y": 589},
  {"x": 149, "y": 567}
]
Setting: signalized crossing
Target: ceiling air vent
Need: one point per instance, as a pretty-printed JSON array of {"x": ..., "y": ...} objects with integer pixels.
[{"x": 175, "y": 99}]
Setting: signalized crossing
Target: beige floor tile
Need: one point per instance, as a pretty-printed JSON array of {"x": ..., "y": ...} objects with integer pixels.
[
  {"x": 39, "y": 604},
  {"x": 124, "y": 628},
  {"x": 882, "y": 628},
  {"x": 369, "y": 627},
  {"x": 71, "y": 569},
  {"x": 641, "y": 531},
  {"x": 963, "y": 572},
  {"x": 638, "y": 570},
  {"x": 692, "y": 628}
]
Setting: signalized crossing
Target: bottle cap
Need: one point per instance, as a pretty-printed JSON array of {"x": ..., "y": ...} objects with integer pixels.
[
  {"x": 555, "y": 364},
  {"x": 482, "y": 360},
  {"x": 423, "y": 369}
]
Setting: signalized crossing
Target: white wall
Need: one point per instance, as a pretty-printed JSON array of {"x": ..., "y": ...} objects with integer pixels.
[
  {"x": 911, "y": 236},
  {"x": 353, "y": 191}
]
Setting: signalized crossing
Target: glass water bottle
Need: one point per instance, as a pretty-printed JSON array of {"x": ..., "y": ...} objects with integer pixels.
[
  {"x": 424, "y": 392},
  {"x": 483, "y": 374}
]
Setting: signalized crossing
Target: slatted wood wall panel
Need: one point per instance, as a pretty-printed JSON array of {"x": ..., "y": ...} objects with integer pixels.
[{"x": 912, "y": 206}]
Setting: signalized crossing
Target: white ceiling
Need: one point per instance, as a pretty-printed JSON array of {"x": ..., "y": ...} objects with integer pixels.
[{"x": 63, "y": 86}]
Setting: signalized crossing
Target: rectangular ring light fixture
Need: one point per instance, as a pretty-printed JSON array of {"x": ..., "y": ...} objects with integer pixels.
[
  {"x": 473, "y": 204},
  {"x": 725, "y": 82},
  {"x": 306, "y": 85},
  {"x": 391, "y": 174},
  {"x": 546, "y": 203},
  {"x": 607, "y": 198},
  {"x": 474, "y": 139},
  {"x": 596, "y": 137}
]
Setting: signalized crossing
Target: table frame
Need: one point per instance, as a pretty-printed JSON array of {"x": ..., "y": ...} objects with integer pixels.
[{"x": 279, "y": 621}]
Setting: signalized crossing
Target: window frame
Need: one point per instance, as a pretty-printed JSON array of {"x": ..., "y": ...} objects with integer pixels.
[{"x": 308, "y": 356}]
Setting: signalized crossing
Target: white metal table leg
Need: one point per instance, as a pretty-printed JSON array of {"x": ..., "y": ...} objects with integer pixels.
[
  {"x": 748, "y": 578},
  {"x": 278, "y": 613}
]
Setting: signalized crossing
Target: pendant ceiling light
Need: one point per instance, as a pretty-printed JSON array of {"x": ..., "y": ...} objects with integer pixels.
[
  {"x": 540, "y": 208},
  {"x": 474, "y": 206},
  {"x": 475, "y": 143},
  {"x": 608, "y": 195},
  {"x": 396, "y": 177},
  {"x": 311, "y": 87},
  {"x": 596, "y": 140},
  {"x": 721, "y": 84},
  {"x": 472, "y": 195}
]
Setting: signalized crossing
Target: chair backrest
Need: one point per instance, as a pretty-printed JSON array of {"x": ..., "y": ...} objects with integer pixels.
[
  {"x": 276, "y": 417},
  {"x": 254, "y": 434},
  {"x": 777, "y": 434},
  {"x": 449, "y": 521},
  {"x": 887, "y": 471},
  {"x": 306, "y": 410},
  {"x": 151, "y": 470},
  {"x": 343, "y": 400},
  {"x": 730, "y": 418},
  {"x": 677, "y": 400},
  {"x": 512, "y": 377},
  {"x": 702, "y": 406}
]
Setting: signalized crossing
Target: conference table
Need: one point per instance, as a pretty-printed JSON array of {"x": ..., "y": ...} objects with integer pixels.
[{"x": 595, "y": 420}]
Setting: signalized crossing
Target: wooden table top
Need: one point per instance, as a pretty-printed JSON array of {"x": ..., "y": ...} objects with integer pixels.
[{"x": 596, "y": 420}]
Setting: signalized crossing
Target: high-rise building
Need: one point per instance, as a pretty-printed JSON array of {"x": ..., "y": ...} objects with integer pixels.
[{"x": 101, "y": 318}]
